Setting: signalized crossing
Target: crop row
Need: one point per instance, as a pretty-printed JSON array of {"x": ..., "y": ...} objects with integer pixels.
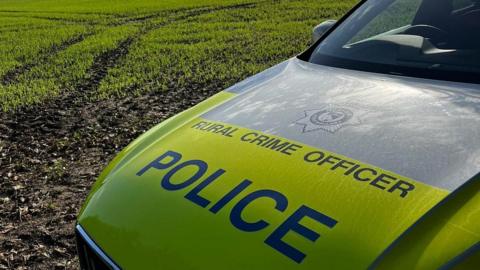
[
  {"x": 218, "y": 48},
  {"x": 100, "y": 52}
]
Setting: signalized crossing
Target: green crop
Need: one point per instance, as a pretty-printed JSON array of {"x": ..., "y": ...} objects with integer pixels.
[{"x": 106, "y": 48}]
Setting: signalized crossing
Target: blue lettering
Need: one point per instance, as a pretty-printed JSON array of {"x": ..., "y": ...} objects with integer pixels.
[
  {"x": 236, "y": 214},
  {"x": 292, "y": 224},
  {"x": 202, "y": 168},
  {"x": 193, "y": 194},
  {"x": 157, "y": 164},
  {"x": 229, "y": 196},
  {"x": 275, "y": 239}
]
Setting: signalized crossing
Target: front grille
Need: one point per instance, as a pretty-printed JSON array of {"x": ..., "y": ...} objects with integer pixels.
[{"x": 90, "y": 255}]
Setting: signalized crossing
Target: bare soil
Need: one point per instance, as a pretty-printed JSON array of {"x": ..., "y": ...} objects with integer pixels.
[{"x": 50, "y": 157}]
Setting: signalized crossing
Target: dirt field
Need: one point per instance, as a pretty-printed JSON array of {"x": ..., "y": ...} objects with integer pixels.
[{"x": 47, "y": 173}]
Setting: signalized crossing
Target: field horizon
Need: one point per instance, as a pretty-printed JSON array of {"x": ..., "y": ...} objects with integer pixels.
[{"x": 119, "y": 48}]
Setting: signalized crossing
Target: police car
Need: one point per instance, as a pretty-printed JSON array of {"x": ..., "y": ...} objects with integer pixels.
[{"x": 363, "y": 152}]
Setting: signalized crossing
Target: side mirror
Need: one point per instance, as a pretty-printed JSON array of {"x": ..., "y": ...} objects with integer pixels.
[{"x": 321, "y": 29}]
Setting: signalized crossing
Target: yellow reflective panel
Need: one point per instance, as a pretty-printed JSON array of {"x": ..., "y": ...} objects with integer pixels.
[
  {"x": 446, "y": 233},
  {"x": 209, "y": 195}
]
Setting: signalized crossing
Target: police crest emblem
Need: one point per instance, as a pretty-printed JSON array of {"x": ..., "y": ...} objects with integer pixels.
[{"x": 330, "y": 118}]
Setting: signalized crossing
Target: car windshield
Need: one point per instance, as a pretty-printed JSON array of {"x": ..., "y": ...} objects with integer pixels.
[{"x": 437, "y": 39}]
